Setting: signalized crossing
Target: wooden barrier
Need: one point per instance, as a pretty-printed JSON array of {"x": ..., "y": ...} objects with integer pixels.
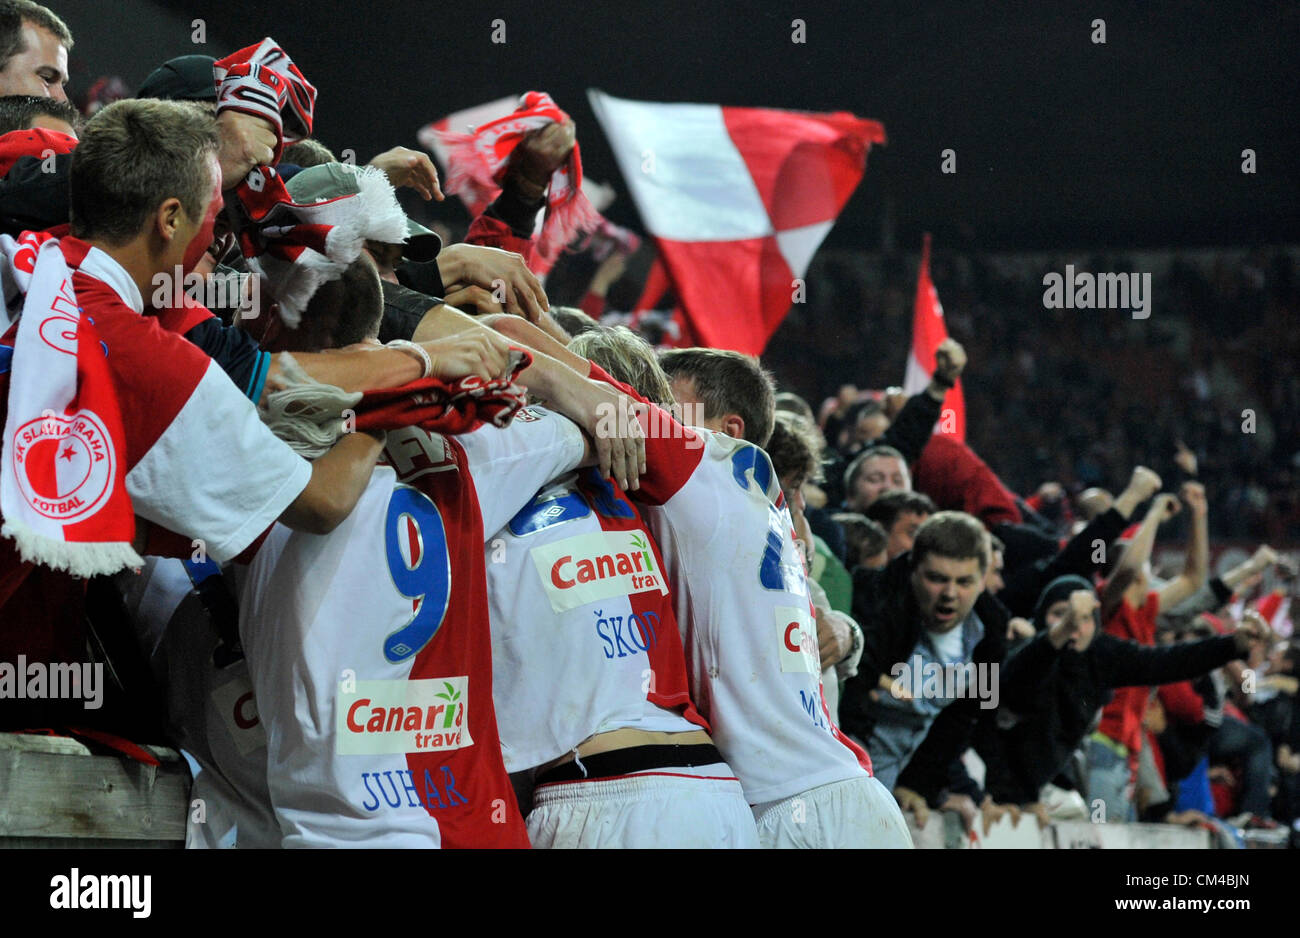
[{"x": 55, "y": 793}]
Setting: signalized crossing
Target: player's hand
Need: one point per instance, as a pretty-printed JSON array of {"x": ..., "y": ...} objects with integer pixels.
[
  {"x": 613, "y": 421},
  {"x": 834, "y": 640},
  {"x": 478, "y": 352},
  {"x": 909, "y": 800},
  {"x": 246, "y": 142},
  {"x": 410, "y": 168},
  {"x": 503, "y": 273},
  {"x": 472, "y": 299}
]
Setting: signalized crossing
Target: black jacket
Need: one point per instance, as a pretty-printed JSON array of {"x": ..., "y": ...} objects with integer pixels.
[
  {"x": 1056, "y": 694},
  {"x": 885, "y": 608}
]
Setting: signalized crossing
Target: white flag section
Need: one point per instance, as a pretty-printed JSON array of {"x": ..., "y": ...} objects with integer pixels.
[{"x": 738, "y": 199}]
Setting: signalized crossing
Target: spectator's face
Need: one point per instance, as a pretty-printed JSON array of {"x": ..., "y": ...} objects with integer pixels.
[
  {"x": 1056, "y": 612},
  {"x": 46, "y": 122},
  {"x": 903, "y": 533},
  {"x": 41, "y": 69},
  {"x": 870, "y": 427},
  {"x": 946, "y": 589},
  {"x": 876, "y": 477}
]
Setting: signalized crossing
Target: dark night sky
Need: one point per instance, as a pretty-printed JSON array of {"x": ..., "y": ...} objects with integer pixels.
[{"x": 1059, "y": 142}]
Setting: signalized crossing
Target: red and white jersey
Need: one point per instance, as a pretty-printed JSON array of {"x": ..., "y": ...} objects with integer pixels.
[
  {"x": 370, "y": 653},
  {"x": 714, "y": 505},
  {"x": 199, "y": 461},
  {"x": 584, "y": 639}
]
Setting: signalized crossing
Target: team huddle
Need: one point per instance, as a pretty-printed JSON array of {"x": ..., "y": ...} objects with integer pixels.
[{"x": 419, "y": 560}]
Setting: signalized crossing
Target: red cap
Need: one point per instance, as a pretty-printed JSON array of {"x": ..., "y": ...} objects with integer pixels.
[{"x": 37, "y": 142}]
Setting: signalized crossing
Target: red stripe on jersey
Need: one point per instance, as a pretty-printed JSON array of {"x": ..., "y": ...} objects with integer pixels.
[{"x": 482, "y": 810}]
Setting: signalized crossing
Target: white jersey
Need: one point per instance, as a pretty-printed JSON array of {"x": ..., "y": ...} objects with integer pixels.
[
  {"x": 584, "y": 639},
  {"x": 370, "y": 653},
  {"x": 211, "y": 711},
  {"x": 716, "y": 509}
]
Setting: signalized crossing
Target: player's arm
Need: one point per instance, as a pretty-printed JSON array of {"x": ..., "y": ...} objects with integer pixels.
[
  {"x": 337, "y": 481},
  {"x": 605, "y": 414}
]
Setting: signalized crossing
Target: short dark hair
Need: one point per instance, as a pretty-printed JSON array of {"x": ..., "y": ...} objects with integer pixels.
[
  {"x": 794, "y": 448},
  {"x": 727, "y": 382},
  {"x": 307, "y": 153},
  {"x": 874, "y": 452},
  {"x": 134, "y": 155},
  {"x": 14, "y": 13},
  {"x": 952, "y": 534},
  {"x": 863, "y": 537},
  {"x": 888, "y": 507},
  {"x": 345, "y": 310},
  {"x": 18, "y": 111}
]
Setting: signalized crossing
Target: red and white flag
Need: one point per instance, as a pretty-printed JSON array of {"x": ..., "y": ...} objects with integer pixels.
[
  {"x": 928, "y": 330},
  {"x": 738, "y": 199}
]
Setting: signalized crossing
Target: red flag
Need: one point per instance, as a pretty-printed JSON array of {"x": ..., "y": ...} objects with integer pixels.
[
  {"x": 738, "y": 199},
  {"x": 928, "y": 330}
]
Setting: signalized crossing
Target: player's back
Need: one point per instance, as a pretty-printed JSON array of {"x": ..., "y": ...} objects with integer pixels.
[
  {"x": 584, "y": 638},
  {"x": 749, "y": 630},
  {"x": 373, "y": 675}
]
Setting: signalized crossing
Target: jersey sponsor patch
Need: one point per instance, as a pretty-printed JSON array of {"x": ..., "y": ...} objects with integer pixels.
[
  {"x": 591, "y": 567},
  {"x": 235, "y": 702},
  {"x": 797, "y": 640},
  {"x": 399, "y": 716}
]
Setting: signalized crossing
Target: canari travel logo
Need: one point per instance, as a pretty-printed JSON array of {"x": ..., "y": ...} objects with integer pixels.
[
  {"x": 591, "y": 567},
  {"x": 378, "y": 717}
]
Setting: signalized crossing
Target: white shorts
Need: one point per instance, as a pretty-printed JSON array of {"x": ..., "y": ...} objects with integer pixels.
[
  {"x": 854, "y": 813},
  {"x": 643, "y": 811}
]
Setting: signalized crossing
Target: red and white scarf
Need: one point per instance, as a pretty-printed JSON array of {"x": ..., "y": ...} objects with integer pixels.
[
  {"x": 297, "y": 247},
  {"x": 62, "y": 471},
  {"x": 477, "y": 163}
]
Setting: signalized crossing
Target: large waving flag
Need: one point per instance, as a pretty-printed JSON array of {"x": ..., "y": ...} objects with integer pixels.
[
  {"x": 738, "y": 200},
  {"x": 928, "y": 331}
]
